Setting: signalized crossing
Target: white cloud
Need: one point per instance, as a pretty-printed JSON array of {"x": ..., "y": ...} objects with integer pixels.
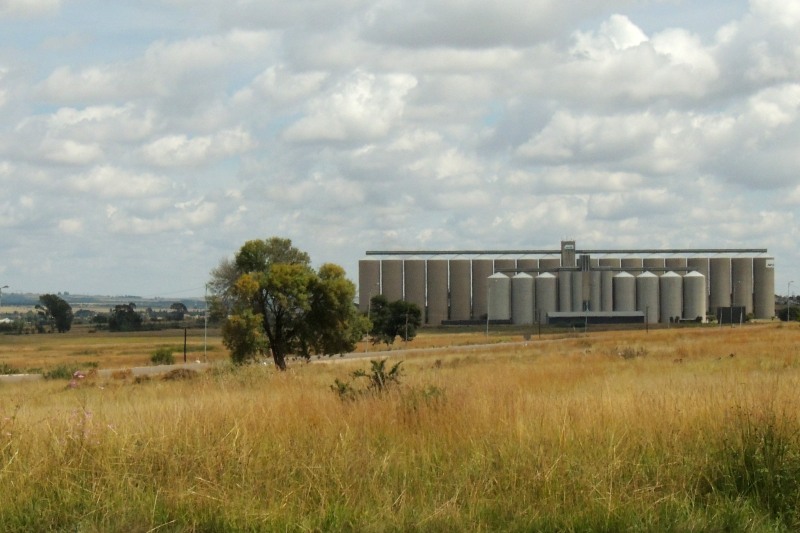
[
  {"x": 27, "y": 8},
  {"x": 112, "y": 182},
  {"x": 179, "y": 150},
  {"x": 363, "y": 106}
]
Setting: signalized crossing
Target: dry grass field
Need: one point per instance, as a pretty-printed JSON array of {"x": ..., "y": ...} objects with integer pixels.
[{"x": 694, "y": 429}]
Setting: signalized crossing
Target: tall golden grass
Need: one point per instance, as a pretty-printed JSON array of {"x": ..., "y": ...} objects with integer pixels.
[{"x": 682, "y": 429}]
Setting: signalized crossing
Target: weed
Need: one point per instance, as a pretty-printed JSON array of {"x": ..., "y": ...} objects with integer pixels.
[
  {"x": 5, "y": 368},
  {"x": 60, "y": 372},
  {"x": 162, "y": 356},
  {"x": 630, "y": 352}
]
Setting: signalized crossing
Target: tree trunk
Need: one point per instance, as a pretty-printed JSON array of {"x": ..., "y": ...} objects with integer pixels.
[{"x": 280, "y": 359}]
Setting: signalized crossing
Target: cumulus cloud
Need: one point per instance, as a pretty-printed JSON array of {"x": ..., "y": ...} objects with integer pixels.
[
  {"x": 362, "y": 106},
  {"x": 112, "y": 182},
  {"x": 179, "y": 150},
  {"x": 27, "y": 8}
]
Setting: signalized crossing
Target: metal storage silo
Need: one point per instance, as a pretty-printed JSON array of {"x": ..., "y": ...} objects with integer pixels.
[
  {"x": 647, "y": 296},
  {"x": 695, "y": 299},
  {"x": 530, "y": 267},
  {"x": 546, "y": 296},
  {"x": 742, "y": 283},
  {"x": 392, "y": 279},
  {"x": 564, "y": 291},
  {"x": 481, "y": 270},
  {"x": 522, "y": 299},
  {"x": 653, "y": 264},
  {"x": 369, "y": 282},
  {"x": 671, "y": 297},
  {"x": 764, "y": 287},
  {"x": 460, "y": 289},
  {"x": 414, "y": 281},
  {"x": 632, "y": 265},
  {"x": 607, "y": 283},
  {"x": 437, "y": 291},
  {"x": 577, "y": 290},
  {"x": 700, "y": 264},
  {"x": 676, "y": 264},
  {"x": 720, "y": 281},
  {"x": 624, "y": 292},
  {"x": 499, "y": 297}
]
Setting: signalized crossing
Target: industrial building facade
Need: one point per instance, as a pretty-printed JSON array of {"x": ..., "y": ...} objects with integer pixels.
[{"x": 528, "y": 286}]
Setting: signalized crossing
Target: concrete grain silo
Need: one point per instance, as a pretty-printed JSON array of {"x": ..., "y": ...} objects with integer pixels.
[
  {"x": 507, "y": 266},
  {"x": 607, "y": 283},
  {"x": 676, "y": 264},
  {"x": 522, "y": 299},
  {"x": 700, "y": 265},
  {"x": 720, "y": 282},
  {"x": 549, "y": 264},
  {"x": 653, "y": 264},
  {"x": 481, "y": 270},
  {"x": 647, "y": 299},
  {"x": 595, "y": 290},
  {"x": 577, "y": 290},
  {"x": 624, "y": 292},
  {"x": 764, "y": 287},
  {"x": 632, "y": 265},
  {"x": 369, "y": 282},
  {"x": 460, "y": 289},
  {"x": 499, "y": 297},
  {"x": 437, "y": 291},
  {"x": 392, "y": 279},
  {"x": 546, "y": 296},
  {"x": 414, "y": 281},
  {"x": 695, "y": 296},
  {"x": 670, "y": 297},
  {"x": 565, "y": 291},
  {"x": 742, "y": 283}
]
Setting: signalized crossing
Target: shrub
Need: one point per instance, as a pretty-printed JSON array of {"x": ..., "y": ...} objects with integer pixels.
[
  {"x": 162, "y": 356},
  {"x": 5, "y": 368}
]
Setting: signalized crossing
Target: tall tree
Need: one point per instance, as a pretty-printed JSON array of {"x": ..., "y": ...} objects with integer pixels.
[
  {"x": 300, "y": 311},
  {"x": 392, "y": 319},
  {"x": 58, "y": 309}
]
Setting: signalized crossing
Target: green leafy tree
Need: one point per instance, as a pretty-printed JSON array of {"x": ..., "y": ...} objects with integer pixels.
[
  {"x": 300, "y": 311},
  {"x": 177, "y": 311},
  {"x": 56, "y": 310},
  {"x": 393, "y": 319},
  {"x": 124, "y": 317}
]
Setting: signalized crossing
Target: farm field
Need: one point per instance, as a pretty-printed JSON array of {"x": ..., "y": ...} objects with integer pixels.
[{"x": 694, "y": 429}]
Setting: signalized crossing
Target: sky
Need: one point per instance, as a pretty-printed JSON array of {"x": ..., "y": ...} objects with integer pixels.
[{"x": 141, "y": 142}]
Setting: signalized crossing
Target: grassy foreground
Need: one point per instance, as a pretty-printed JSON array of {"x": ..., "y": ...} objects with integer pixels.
[{"x": 674, "y": 430}]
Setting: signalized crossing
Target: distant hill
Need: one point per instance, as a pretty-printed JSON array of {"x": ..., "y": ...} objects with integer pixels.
[{"x": 98, "y": 301}]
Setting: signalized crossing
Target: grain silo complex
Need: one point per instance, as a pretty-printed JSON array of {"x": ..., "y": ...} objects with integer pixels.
[{"x": 570, "y": 284}]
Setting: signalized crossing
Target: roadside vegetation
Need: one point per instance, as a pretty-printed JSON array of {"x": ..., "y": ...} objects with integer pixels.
[{"x": 694, "y": 429}]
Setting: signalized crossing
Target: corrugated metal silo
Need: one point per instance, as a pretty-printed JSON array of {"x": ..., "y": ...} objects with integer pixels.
[
  {"x": 632, "y": 265},
  {"x": 742, "y": 283},
  {"x": 764, "y": 287},
  {"x": 676, "y": 264},
  {"x": 671, "y": 297},
  {"x": 414, "y": 281},
  {"x": 565, "y": 291},
  {"x": 499, "y": 297},
  {"x": 460, "y": 289},
  {"x": 577, "y": 291},
  {"x": 546, "y": 295},
  {"x": 530, "y": 267},
  {"x": 522, "y": 299},
  {"x": 392, "y": 279},
  {"x": 607, "y": 283},
  {"x": 653, "y": 264},
  {"x": 695, "y": 296},
  {"x": 647, "y": 296},
  {"x": 720, "y": 281},
  {"x": 437, "y": 291},
  {"x": 624, "y": 292},
  {"x": 481, "y": 270}
]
